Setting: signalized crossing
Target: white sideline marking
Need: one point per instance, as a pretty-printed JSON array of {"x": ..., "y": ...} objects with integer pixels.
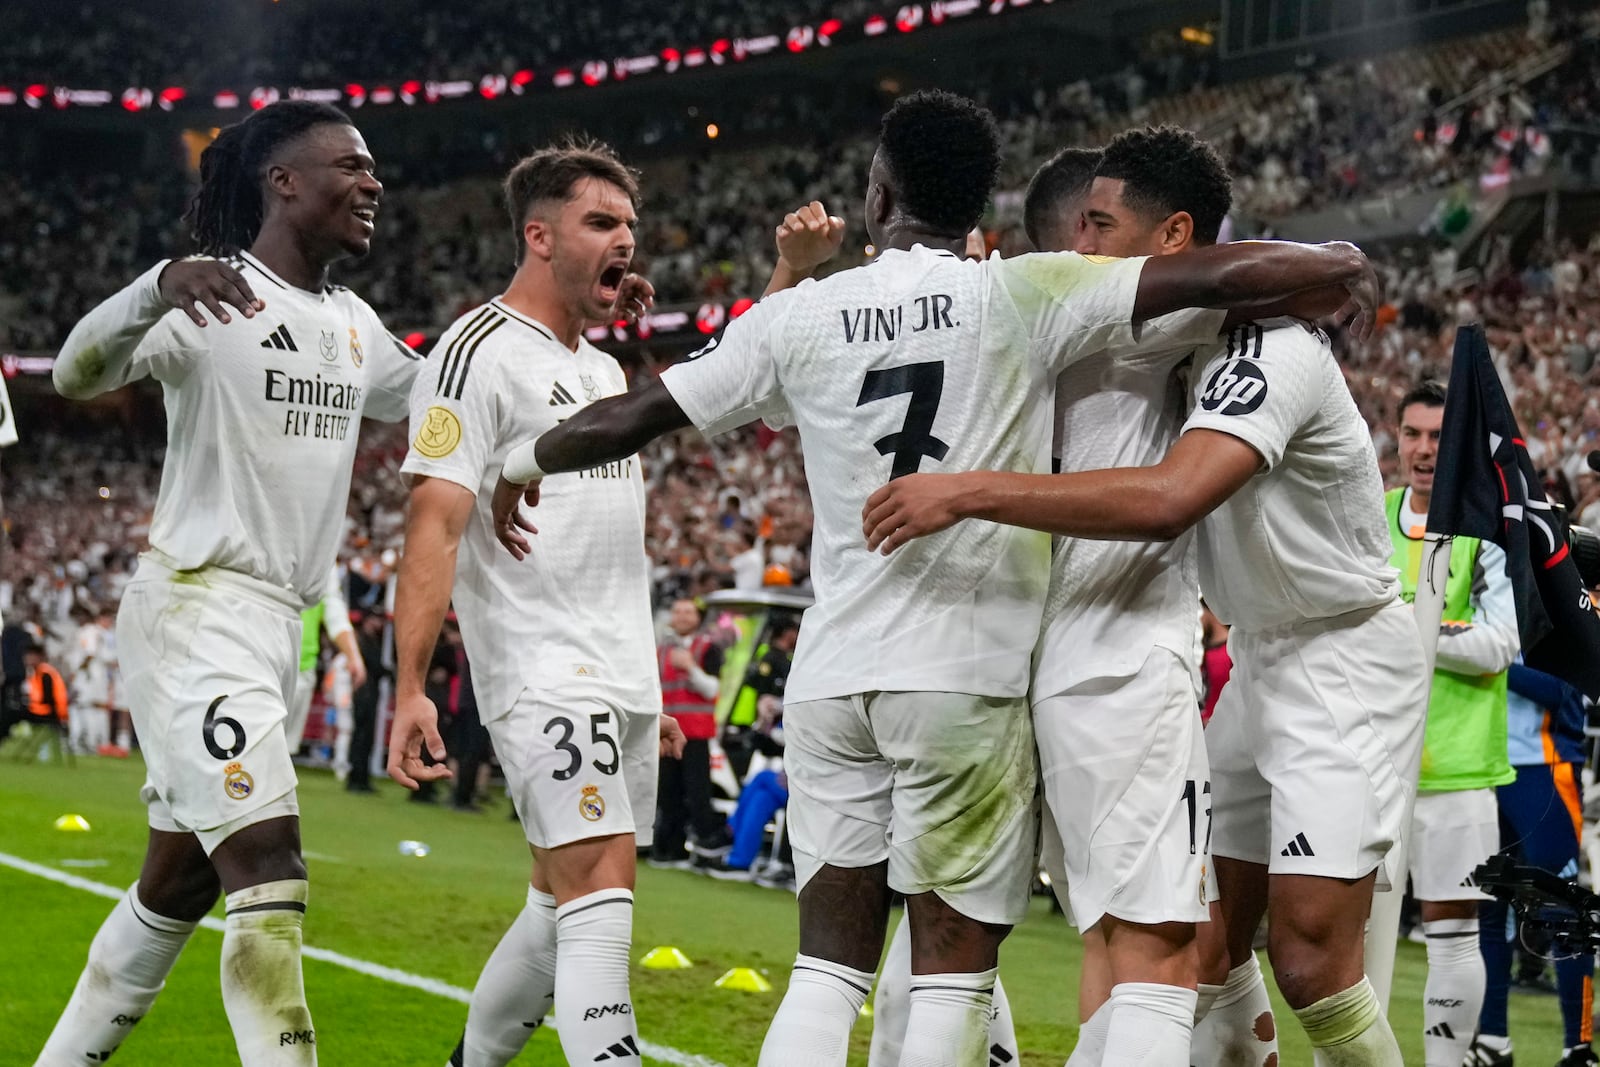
[{"x": 664, "y": 1053}]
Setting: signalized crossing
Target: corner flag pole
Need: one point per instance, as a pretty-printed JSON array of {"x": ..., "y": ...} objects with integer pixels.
[{"x": 1383, "y": 926}]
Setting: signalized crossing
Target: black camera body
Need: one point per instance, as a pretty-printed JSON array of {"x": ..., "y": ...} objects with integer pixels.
[{"x": 1565, "y": 911}]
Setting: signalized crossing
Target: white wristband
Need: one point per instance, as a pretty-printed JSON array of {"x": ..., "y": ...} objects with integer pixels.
[{"x": 520, "y": 466}]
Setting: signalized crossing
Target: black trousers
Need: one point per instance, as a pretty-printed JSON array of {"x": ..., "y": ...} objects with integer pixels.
[
  {"x": 683, "y": 801},
  {"x": 363, "y": 732},
  {"x": 471, "y": 747}
]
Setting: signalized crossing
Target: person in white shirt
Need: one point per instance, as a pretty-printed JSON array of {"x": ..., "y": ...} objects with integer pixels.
[
  {"x": 562, "y": 645},
  {"x": 910, "y": 750},
  {"x": 1315, "y": 741},
  {"x": 264, "y": 399}
]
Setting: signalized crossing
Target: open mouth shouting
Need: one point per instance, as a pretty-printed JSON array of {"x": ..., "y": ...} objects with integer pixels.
[{"x": 609, "y": 286}]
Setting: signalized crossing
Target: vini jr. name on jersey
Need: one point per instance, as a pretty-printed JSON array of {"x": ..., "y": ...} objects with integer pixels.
[{"x": 931, "y": 312}]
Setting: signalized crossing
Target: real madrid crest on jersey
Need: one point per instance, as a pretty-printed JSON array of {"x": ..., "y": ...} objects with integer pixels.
[
  {"x": 591, "y": 805},
  {"x": 356, "y": 355},
  {"x": 330, "y": 347},
  {"x": 236, "y": 781}
]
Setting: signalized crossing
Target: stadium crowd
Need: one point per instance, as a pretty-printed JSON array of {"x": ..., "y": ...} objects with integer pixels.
[{"x": 1329, "y": 134}]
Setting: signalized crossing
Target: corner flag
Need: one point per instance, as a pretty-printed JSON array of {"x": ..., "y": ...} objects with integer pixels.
[{"x": 1485, "y": 486}]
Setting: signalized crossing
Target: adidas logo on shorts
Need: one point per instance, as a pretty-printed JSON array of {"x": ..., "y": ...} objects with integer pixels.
[{"x": 1298, "y": 847}]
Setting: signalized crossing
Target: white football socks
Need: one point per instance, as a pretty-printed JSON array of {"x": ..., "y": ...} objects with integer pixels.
[
  {"x": 1003, "y": 1048},
  {"x": 948, "y": 1025},
  {"x": 891, "y": 1004},
  {"x": 1348, "y": 1029},
  {"x": 594, "y": 1008},
  {"x": 1091, "y": 1044},
  {"x": 129, "y": 961},
  {"x": 812, "y": 1026},
  {"x": 516, "y": 988},
  {"x": 1453, "y": 995},
  {"x": 1150, "y": 1025},
  {"x": 1239, "y": 1030},
  {"x": 263, "y": 990}
]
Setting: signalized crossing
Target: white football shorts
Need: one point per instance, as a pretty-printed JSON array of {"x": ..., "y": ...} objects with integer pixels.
[
  {"x": 942, "y": 785},
  {"x": 578, "y": 767},
  {"x": 1316, "y": 741},
  {"x": 208, "y": 661},
  {"x": 1451, "y": 833},
  {"x": 1128, "y": 788}
]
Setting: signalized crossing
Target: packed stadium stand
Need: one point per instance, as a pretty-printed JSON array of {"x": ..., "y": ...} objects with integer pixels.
[{"x": 1465, "y": 120}]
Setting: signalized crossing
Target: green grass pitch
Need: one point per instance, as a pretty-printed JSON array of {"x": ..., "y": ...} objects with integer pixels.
[{"x": 440, "y": 916}]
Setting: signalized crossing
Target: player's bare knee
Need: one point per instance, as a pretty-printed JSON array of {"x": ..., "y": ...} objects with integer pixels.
[
  {"x": 582, "y": 867},
  {"x": 1164, "y": 953},
  {"x": 177, "y": 879},
  {"x": 945, "y": 941},
  {"x": 262, "y": 852},
  {"x": 844, "y": 914}
]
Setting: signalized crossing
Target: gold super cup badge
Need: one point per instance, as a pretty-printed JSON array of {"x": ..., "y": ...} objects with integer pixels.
[
  {"x": 356, "y": 355},
  {"x": 440, "y": 433},
  {"x": 591, "y": 805},
  {"x": 236, "y": 781}
]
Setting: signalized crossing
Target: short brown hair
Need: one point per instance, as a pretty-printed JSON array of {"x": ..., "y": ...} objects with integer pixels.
[{"x": 553, "y": 173}]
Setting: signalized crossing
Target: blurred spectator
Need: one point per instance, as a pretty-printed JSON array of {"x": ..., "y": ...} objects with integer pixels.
[
  {"x": 690, "y": 664},
  {"x": 755, "y": 720}
]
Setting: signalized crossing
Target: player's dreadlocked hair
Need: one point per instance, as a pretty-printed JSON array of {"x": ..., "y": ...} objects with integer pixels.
[
  {"x": 1064, "y": 177},
  {"x": 944, "y": 153},
  {"x": 1167, "y": 169},
  {"x": 553, "y": 174},
  {"x": 227, "y": 212}
]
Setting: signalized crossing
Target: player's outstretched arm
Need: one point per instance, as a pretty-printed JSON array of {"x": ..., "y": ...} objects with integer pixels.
[
  {"x": 806, "y": 239},
  {"x": 98, "y": 354},
  {"x": 606, "y": 430},
  {"x": 1264, "y": 278},
  {"x": 437, "y": 516},
  {"x": 1158, "y": 503}
]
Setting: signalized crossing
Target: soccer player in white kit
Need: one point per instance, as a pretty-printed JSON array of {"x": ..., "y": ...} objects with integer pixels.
[
  {"x": 910, "y": 748},
  {"x": 264, "y": 402},
  {"x": 562, "y": 644},
  {"x": 1314, "y": 744}
]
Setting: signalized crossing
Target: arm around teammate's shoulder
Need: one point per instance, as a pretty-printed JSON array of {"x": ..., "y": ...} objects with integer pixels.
[
  {"x": 1155, "y": 503},
  {"x": 107, "y": 348},
  {"x": 1249, "y": 275}
]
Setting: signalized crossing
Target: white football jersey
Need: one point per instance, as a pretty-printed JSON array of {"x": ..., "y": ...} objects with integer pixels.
[
  {"x": 919, "y": 361},
  {"x": 1110, "y": 603},
  {"x": 574, "y": 616},
  {"x": 1306, "y": 538},
  {"x": 263, "y": 415}
]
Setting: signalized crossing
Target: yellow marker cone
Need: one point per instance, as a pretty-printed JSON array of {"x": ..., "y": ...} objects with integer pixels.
[
  {"x": 73, "y": 824},
  {"x": 665, "y": 958},
  {"x": 744, "y": 980},
  {"x": 866, "y": 1010}
]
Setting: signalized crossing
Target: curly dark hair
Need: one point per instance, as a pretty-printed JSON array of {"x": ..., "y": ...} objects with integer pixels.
[
  {"x": 943, "y": 152},
  {"x": 227, "y": 211},
  {"x": 1167, "y": 169},
  {"x": 1064, "y": 177}
]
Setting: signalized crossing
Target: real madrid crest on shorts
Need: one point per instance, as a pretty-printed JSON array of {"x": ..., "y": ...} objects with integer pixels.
[
  {"x": 236, "y": 781},
  {"x": 591, "y": 805},
  {"x": 356, "y": 355}
]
